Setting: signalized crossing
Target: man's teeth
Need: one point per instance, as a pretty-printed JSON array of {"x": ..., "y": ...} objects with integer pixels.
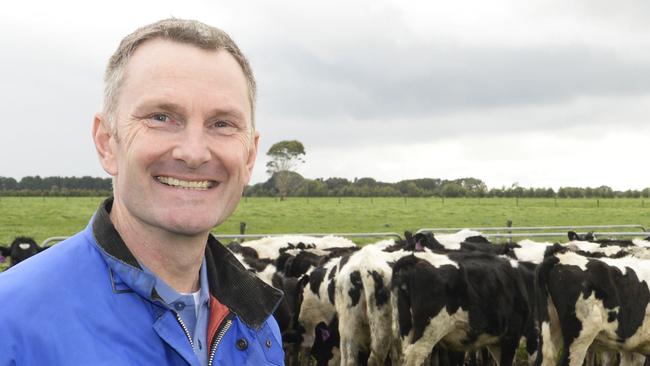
[{"x": 203, "y": 184}]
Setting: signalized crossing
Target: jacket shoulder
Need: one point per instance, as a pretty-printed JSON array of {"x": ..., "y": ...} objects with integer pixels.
[{"x": 43, "y": 278}]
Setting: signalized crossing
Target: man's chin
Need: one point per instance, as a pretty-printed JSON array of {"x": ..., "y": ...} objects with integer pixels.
[{"x": 191, "y": 229}]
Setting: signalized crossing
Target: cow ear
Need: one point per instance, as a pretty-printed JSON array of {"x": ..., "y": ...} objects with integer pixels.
[{"x": 4, "y": 251}]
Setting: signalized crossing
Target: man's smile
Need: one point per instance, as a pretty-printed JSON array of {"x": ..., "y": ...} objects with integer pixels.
[{"x": 186, "y": 184}]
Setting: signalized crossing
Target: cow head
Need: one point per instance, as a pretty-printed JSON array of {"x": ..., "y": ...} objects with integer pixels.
[
  {"x": 416, "y": 243},
  {"x": 22, "y": 248},
  {"x": 287, "y": 312},
  {"x": 573, "y": 236}
]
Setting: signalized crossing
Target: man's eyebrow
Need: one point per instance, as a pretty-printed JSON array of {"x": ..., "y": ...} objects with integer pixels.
[
  {"x": 160, "y": 105},
  {"x": 225, "y": 111}
]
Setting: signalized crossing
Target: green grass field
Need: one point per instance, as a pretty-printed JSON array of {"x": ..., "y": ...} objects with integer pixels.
[{"x": 59, "y": 216}]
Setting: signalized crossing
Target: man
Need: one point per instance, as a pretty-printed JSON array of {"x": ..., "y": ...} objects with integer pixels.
[{"x": 145, "y": 283}]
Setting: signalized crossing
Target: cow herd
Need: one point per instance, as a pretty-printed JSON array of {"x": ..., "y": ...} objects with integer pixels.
[
  {"x": 453, "y": 299},
  {"x": 458, "y": 299}
]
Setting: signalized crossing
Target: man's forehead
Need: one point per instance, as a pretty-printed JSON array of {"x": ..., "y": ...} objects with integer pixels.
[
  {"x": 160, "y": 66},
  {"x": 162, "y": 55}
]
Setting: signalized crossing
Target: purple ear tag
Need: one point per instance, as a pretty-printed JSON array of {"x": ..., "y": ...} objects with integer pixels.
[
  {"x": 2, "y": 258},
  {"x": 418, "y": 246},
  {"x": 324, "y": 334}
]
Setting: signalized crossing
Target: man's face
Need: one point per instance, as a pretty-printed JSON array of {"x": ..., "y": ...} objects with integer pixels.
[{"x": 184, "y": 150}]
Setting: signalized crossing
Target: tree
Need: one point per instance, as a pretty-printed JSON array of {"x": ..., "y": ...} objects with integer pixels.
[{"x": 285, "y": 156}]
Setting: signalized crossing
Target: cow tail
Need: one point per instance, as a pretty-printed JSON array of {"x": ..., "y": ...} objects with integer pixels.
[{"x": 543, "y": 300}]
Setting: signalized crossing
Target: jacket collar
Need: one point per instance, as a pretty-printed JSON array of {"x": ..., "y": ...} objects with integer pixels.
[{"x": 230, "y": 283}]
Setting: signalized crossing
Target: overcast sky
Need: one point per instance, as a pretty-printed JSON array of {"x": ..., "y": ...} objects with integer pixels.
[{"x": 541, "y": 93}]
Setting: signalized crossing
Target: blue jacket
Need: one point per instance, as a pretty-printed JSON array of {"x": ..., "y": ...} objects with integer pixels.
[{"x": 86, "y": 301}]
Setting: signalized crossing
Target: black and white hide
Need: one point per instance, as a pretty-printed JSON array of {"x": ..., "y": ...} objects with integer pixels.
[
  {"x": 463, "y": 301},
  {"x": 588, "y": 301}
]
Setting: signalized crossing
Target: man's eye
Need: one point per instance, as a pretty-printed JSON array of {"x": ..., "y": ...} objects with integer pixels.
[
  {"x": 158, "y": 117},
  {"x": 224, "y": 127}
]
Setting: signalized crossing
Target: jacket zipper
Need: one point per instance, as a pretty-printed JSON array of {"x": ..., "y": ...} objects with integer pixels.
[
  {"x": 217, "y": 340},
  {"x": 187, "y": 332}
]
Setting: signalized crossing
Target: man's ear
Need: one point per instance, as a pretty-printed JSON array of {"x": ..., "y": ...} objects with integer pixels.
[
  {"x": 252, "y": 154},
  {"x": 105, "y": 144}
]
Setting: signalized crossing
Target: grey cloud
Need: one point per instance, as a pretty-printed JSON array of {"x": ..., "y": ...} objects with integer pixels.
[{"x": 370, "y": 82}]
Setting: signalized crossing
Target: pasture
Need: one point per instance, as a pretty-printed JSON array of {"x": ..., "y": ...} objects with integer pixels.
[{"x": 43, "y": 217}]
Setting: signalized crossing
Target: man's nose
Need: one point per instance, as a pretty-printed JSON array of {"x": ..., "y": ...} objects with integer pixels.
[{"x": 193, "y": 147}]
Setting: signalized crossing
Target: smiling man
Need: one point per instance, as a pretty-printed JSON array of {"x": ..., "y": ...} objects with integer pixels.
[{"x": 145, "y": 283}]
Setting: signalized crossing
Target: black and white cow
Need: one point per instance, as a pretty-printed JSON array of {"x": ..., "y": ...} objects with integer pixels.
[
  {"x": 280, "y": 261},
  {"x": 463, "y": 301},
  {"x": 344, "y": 309},
  {"x": 265, "y": 256},
  {"x": 585, "y": 301},
  {"x": 20, "y": 249},
  {"x": 317, "y": 315},
  {"x": 364, "y": 308}
]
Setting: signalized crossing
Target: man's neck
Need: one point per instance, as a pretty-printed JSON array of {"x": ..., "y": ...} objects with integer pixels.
[{"x": 176, "y": 259}]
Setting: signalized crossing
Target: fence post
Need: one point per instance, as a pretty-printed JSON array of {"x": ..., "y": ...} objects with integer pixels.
[
  {"x": 597, "y": 203},
  {"x": 509, "y": 224},
  {"x": 242, "y": 228},
  {"x": 517, "y": 201},
  {"x": 339, "y": 199}
]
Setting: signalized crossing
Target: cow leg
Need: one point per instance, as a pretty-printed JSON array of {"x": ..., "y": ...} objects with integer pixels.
[
  {"x": 531, "y": 343},
  {"x": 607, "y": 358},
  {"x": 575, "y": 350},
  {"x": 551, "y": 339},
  {"x": 508, "y": 351},
  {"x": 473, "y": 359},
  {"x": 497, "y": 353},
  {"x": 354, "y": 338},
  {"x": 415, "y": 354},
  {"x": 590, "y": 357},
  {"x": 456, "y": 358},
  {"x": 353, "y": 330},
  {"x": 381, "y": 333},
  {"x": 434, "y": 357},
  {"x": 632, "y": 359}
]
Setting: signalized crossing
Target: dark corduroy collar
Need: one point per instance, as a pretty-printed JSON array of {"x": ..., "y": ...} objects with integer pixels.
[{"x": 230, "y": 283}]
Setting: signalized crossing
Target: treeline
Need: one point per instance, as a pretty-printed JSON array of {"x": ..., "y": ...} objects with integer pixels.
[
  {"x": 330, "y": 187},
  {"x": 425, "y": 187},
  {"x": 56, "y": 186}
]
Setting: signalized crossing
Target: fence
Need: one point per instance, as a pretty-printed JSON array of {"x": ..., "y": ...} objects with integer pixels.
[
  {"x": 498, "y": 233},
  {"x": 506, "y": 232}
]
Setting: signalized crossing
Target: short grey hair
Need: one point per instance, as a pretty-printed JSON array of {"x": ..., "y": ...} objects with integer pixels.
[{"x": 183, "y": 31}]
